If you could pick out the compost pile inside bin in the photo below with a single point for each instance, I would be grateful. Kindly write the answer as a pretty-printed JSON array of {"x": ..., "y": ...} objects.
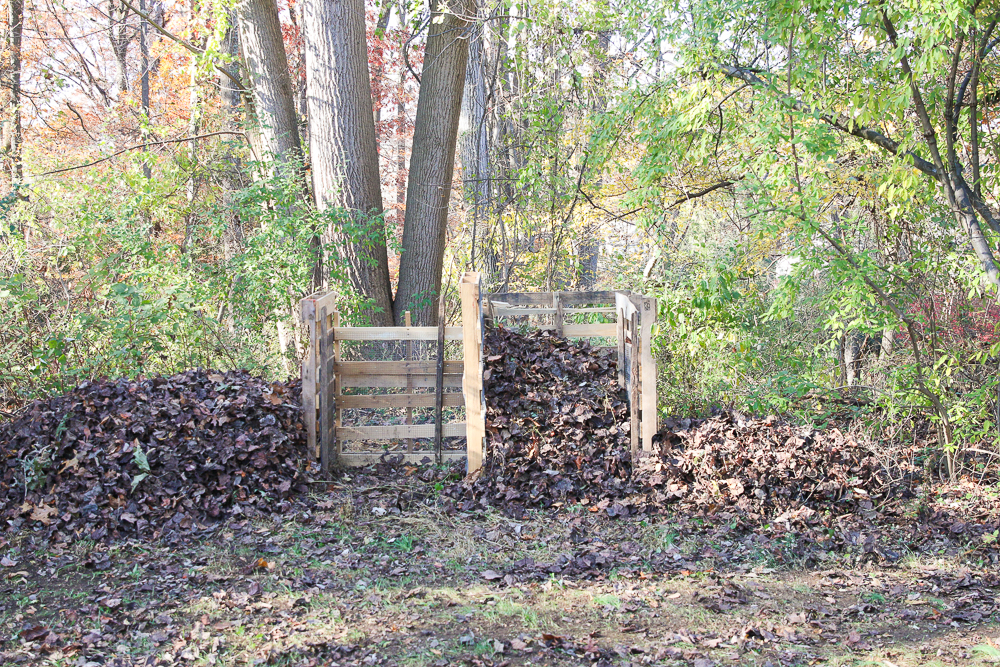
[
  {"x": 157, "y": 457},
  {"x": 556, "y": 422}
]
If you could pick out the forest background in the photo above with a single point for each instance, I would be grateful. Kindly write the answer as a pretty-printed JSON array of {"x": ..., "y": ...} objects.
[{"x": 808, "y": 188}]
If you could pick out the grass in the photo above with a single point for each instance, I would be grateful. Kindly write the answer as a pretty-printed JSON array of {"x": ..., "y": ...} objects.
[{"x": 333, "y": 587}]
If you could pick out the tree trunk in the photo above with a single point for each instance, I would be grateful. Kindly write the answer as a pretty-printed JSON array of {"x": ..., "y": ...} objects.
[
  {"x": 121, "y": 36},
  {"x": 432, "y": 160},
  {"x": 15, "y": 14},
  {"x": 267, "y": 64},
  {"x": 590, "y": 242},
  {"x": 475, "y": 147},
  {"x": 144, "y": 83},
  {"x": 342, "y": 145}
]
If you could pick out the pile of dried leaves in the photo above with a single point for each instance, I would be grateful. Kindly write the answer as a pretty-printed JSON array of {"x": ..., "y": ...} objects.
[
  {"x": 556, "y": 422},
  {"x": 765, "y": 467},
  {"x": 558, "y": 432},
  {"x": 153, "y": 458}
]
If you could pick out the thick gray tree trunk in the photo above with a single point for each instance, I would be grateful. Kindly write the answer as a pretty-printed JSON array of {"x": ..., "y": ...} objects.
[
  {"x": 121, "y": 35},
  {"x": 15, "y": 16},
  {"x": 432, "y": 160},
  {"x": 343, "y": 145},
  {"x": 475, "y": 149},
  {"x": 267, "y": 65}
]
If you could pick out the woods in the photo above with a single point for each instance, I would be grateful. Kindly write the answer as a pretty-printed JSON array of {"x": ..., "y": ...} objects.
[{"x": 232, "y": 230}]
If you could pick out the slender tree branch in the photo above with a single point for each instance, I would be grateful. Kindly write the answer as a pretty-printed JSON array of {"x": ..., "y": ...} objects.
[
  {"x": 843, "y": 125},
  {"x": 138, "y": 146}
]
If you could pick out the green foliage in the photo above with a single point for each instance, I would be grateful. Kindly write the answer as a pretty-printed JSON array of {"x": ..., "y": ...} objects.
[{"x": 116, "y": 291}]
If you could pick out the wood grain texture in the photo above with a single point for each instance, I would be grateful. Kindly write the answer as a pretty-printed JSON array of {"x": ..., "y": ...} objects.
[
  {"x": 473, "y": 376},
  {"x": 399, "y": 432},
  {"x": 355, "y": 459},
  {"x": 356, "y": 401},
  {"x": 647, "y": 373},
  {"x": 395, "y": 333},
  {"x": 416, "y": 367}
]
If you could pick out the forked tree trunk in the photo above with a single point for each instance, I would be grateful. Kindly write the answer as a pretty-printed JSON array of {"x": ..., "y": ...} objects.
[
  {"x": 432, "y": 160},
  {"x": 274, "y": 104},
  {"x": 342, "y": 145}
]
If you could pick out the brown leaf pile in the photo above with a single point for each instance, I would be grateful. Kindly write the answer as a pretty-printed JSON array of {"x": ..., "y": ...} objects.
[
  {"x": 155, "y": 458},
  {"x": 764, "y": 467},
  {"x": 556, "y": 421},
  {"x": 558, "y": 432}
]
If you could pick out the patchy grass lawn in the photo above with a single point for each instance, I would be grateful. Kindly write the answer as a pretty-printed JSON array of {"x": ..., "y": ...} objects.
[{"x": 351, "y": 579}]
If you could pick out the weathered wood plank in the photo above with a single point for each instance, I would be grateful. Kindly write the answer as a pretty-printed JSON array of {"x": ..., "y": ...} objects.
[
  {"x": 416, "y": 381},
  {"x": 396, "y": 367},
  {"x": 472, "y": 344},
  {"x": 309, "y": 366},
  {"x": 518, "y": 312},
  {"x": 356, "y": 459},
  {"x": 395, "y": 333},
  {"x": 609, "y": 329},
  {"x": 337, "y": 389},
  {"x": 325, "y": 402},
  {"x": 647, "y": 373},
  {"x": 633, "y": 395},
  {"x": 354, "y": 401},
  {"x": 545, "y": 298},
  {"x": 399, "y": 432}
]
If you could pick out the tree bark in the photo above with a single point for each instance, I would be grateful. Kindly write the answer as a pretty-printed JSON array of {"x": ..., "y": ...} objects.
[
  {"x": 15, "y": 9},
  {"x": 144, "y": 83},
  {"x": 342, "y": 144},
  {"x": 475, "y": 147},
  {"x": 432, "y": 160},
  {"x": 267, "y": 65},
  {"x": 121, "y": 36}
]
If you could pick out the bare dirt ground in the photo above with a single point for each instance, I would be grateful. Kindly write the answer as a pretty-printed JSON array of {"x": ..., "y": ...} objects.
[{"x": 382, "y": 570}]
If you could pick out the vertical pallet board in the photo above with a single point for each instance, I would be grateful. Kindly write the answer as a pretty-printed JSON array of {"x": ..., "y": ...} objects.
[
  {"x": 633, "y": 394},
  {"x": 472, "y": 379},
  {"x": 323, "y": 380},
  {"x": 621, "y": 300},
  {"x": 558, "y": 315},
  {"x": 308, "y": 307},
  {"x": 408, "y": 352},
  {"x": 338, "y": 443},
  {"x": 647, "y": 373}
]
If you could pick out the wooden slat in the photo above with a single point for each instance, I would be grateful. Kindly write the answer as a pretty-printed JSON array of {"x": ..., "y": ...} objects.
[
  {"x": 609, "y": 329},
  {"x": 354, "y": 401},
  {"x": 545, "y": 298},
  {"x": 309, "y": 366},
  {"x": 355, "y": 459},
  {"x": 395, "y": 333},
  {"x": 417, "y": 381},
  {"x": 634, "y": 405},
  {"x": 399, "y": 432},
  {"x": 472, "y": 345},
  {"x": 396, "y": 367},
  {"x": 408, "y": 353},
  {"x": 620, "y": 332},
  {"x": 337, "y": 389},
  {"x": 518, "y": 312},
  {"x": 325, "y": 400},
  {"x": 647, "y": 373}
]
